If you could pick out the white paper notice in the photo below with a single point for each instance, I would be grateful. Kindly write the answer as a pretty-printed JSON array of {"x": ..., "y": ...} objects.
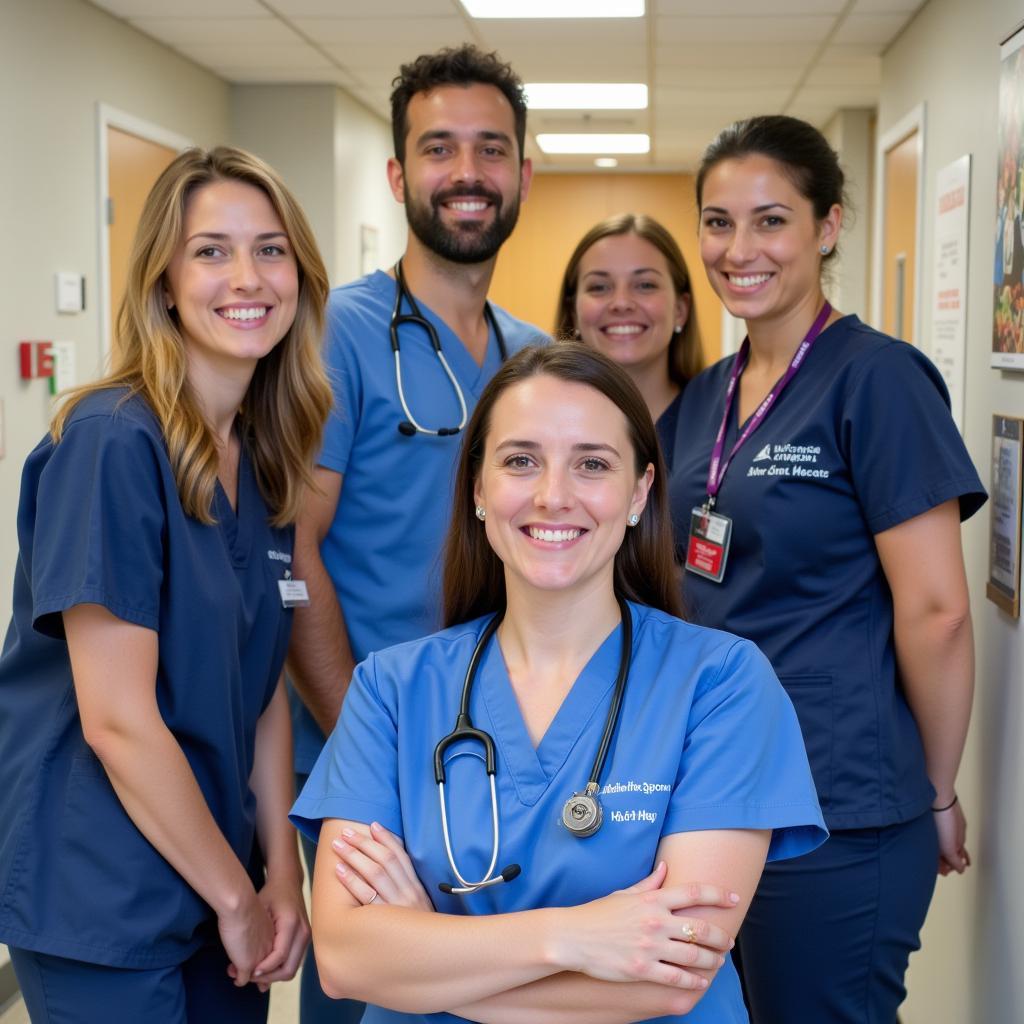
[{"x": 949, "y": 284}]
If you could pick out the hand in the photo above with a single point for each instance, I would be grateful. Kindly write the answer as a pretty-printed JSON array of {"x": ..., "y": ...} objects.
[
  {"x": 373, "y": 866},
  {"x": 640, "y": 934},
  {"x": 287, "y": 910},
  {"x": 951, "y": 826},
  {"x": 247, "y": 935}
]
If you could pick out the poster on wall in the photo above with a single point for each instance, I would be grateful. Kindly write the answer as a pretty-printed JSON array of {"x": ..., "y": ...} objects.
[
  {"x": 949, "y": 279},
  {"x": 1008, "y": 313},
  {"x": 1004, "y": 532}
]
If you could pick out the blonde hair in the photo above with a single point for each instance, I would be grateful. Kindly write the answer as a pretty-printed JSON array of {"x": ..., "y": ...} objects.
[{"x": 283, "y": 413}]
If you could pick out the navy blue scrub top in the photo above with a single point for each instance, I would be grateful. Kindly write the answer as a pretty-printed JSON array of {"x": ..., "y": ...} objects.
[
  {"x": 100, "y": 522},
  {"x": 861, "y": 440}
]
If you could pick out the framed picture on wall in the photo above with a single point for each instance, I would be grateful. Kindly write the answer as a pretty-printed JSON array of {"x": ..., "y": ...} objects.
[
  {"x": 1004, "y": 533},
  {"x": 1008, "y": 272}
]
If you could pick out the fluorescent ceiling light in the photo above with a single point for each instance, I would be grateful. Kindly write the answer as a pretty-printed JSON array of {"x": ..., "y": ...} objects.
[
  {"x": 554, "y": 8},
  {"x": 581, "y": 142},
  {"x": 586, "y": 96},
  {"x": 606, "y": 161}
]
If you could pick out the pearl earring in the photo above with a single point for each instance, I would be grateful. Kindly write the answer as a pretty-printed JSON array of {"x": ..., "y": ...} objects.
[
  {"x": 633, "y": 519},
  {"x": 481, "y": 513},
  {"x": 678, "y": 329},
  {"x": 824, "y": 250}
]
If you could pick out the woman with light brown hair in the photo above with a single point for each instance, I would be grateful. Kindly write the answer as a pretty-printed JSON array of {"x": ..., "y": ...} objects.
[
  {"x": 147, "y": 869},
  {"x": 626, "y": 292}
]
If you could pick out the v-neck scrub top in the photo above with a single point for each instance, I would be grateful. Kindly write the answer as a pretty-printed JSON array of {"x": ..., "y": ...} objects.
[
  {"x": 706, "y": 740},
  {"x": 860, "y": 441},
  {"x": 100, "y": 522},
  {"x": 383, "y": 548}
]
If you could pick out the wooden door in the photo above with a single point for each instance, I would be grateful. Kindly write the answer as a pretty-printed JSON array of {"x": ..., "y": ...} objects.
[
  {"x": 899, "y": 245},
  {"x": 133, "y": 165}
]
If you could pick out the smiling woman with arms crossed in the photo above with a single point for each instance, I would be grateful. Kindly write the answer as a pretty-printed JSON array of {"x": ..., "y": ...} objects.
[
  {"x": 560, "y": 539},
  {"x": 147, "y": 869}
]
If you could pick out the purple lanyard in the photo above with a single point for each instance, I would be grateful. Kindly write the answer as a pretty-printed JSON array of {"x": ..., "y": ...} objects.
[{"x": 716, "y": 471}]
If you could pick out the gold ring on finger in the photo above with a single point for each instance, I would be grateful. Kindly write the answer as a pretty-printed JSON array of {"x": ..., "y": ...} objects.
[{"x": 689, "y": 935}]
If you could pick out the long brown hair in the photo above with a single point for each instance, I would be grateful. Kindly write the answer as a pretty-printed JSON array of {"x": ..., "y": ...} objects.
[
  {"x": 282, "y": 417},
  {"x": 685, "y": 354},
  {"x": 645, "y": 567}
]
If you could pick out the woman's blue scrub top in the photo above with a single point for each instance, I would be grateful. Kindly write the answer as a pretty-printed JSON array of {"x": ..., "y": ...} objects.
[
  {"x": 706, "y": 739},
  {"x": 100, "y": 522},
  {"x": 860, "y": 441}
]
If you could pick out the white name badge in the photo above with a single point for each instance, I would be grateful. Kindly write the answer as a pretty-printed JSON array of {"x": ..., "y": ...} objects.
[{"x": 293, "y": 593}]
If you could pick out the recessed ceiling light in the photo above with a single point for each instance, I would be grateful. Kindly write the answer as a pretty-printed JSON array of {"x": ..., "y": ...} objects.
[
  {"x": 582, "y": 142},
  {"x": 606, "y": 161},
  {"x": 586, "y": 95},
  {"x": 554, "y": 8}
]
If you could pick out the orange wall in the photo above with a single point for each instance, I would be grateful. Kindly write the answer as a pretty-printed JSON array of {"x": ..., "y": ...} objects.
[{"x": 563, "y": 207}]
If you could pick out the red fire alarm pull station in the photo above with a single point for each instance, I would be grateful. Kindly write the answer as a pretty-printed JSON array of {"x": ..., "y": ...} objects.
[{"x": 36, "y": 359}]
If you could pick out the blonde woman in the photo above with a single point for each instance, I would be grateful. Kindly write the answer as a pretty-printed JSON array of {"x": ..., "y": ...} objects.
[{"x": 147, "y": 869}]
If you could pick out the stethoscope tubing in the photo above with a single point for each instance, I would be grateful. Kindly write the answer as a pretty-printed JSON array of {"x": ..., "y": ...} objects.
[
  {"x": 416, "y": 317},
  {"x": 465, "y": 730}
]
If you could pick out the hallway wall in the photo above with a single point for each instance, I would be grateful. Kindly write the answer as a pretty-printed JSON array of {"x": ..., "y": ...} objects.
[
  {"x": 58, "y": 60},
  {"x": 970, "y": 967}
]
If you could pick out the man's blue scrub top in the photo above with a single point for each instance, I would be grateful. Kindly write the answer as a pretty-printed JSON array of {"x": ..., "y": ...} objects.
[
  {"x": 706, "y": 740},
  {"x": 860, "y": 441},
  {"x": 383, "y": 549},
  {"x": 100, "y": 522}
]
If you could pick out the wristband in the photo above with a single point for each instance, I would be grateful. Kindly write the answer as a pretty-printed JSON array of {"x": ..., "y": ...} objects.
[{"x": 938, "y": 810}]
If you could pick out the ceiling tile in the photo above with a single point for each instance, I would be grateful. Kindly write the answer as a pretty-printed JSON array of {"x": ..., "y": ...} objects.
[
  {"x": 184, "y": 8},
  {"x": 743, "y": 57},
  {"x": 748, "y": 8},
  {"x": 871, "y": 29},
  {"x": 362, "y": 9},
  {"x": 417, "y": 35},
  {"x": 238, "y": 57},
  {"x": 257, "y": 31},
  {"x": 687, "y": 77},
  {"x": 867, "y": 71},
  {"x": 759, "y": 29},
  {"x": 838, "y": 96},
  {"x": 750, "y": 100},
  {"x": 887, "y": 6}
]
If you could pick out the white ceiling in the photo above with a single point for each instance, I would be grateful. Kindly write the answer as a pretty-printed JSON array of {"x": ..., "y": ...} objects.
[{"x": 706, "y": 62}]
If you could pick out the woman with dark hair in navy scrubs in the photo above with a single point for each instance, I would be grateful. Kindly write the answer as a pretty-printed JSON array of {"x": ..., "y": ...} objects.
[
  {"x": 818, "y": 491},
  {"x": 148, "y": 872}
]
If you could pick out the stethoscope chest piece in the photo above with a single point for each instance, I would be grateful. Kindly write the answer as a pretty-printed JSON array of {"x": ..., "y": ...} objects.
[{"x": 582, "y": 815}]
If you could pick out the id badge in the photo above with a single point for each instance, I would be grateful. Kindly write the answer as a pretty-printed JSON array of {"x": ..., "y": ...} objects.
[
  {"x": 708, "y": 546},
  {"x": 293, "y": 593}
]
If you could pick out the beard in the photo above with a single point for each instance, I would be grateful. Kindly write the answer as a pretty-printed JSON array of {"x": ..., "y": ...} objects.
[{"x": 468, "y": 241}]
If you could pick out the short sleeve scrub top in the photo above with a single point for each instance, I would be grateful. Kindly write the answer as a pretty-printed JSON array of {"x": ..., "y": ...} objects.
[
  {"x": 706, "y": 739},
  {"x": 100, "y": 522},
  {"x": 860, "y": 441}
]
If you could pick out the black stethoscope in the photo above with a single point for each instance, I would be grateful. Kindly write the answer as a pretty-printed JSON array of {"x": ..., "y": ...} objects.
[
  {"x": 581, "y": 814},
  {"x": 409, "y": 427}
]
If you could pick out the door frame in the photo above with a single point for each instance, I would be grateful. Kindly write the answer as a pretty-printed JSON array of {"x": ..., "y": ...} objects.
[
  {"x": 111, "y": 117},
  {"x": 913, "y": 120}
]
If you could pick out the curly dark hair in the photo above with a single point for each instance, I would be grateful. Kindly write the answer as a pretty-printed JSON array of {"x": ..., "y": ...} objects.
[{"x": 458, "y": 65}]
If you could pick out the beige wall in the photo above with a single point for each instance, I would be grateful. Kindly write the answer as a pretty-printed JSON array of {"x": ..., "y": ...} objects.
[
  {"x": 332, "y": 152},
  {"x": 58, "y": 60},
  {"x": 970, "y": 969},
  {"x": 562, "y": 207}
]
